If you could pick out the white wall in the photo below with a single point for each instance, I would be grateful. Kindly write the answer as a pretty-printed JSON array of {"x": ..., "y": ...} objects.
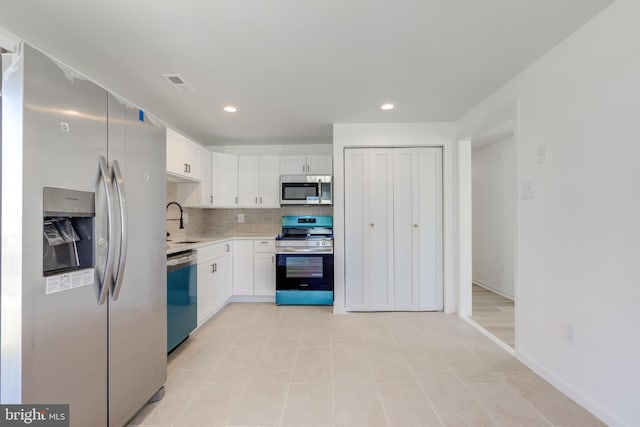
[
  {"x": 579, "y": 237},
  {"x": 493, "y": 176},
  {"x": 394, "y": 135}
]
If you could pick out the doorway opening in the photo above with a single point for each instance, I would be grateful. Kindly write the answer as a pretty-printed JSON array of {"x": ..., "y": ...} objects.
[{"x": 493, "y": 227}]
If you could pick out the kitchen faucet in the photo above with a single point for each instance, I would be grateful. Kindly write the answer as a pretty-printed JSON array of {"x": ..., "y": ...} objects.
[{"x": 181, "y": 212}]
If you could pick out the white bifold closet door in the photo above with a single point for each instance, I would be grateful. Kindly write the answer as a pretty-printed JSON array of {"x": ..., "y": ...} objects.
[{"x": 393, "y": 229}]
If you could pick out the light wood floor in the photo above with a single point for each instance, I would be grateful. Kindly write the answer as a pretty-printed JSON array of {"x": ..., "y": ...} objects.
[
  {"x": 266, "y": 365},
  {"x": 495, "y": 313}
]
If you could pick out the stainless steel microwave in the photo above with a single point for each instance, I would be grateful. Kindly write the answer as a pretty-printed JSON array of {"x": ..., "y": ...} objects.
[{"x": 305, "y": 190}]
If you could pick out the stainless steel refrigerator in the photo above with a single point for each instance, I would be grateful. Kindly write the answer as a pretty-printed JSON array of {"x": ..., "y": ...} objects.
[{"x": 83, "y": 298}]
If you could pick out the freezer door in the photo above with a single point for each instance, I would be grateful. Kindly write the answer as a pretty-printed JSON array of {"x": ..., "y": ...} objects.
[
  {"x": 137, "y": 307},
  {"x": 53, "y": 345}
]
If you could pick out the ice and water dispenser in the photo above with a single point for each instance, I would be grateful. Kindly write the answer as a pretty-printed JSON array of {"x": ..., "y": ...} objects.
[{"x": 68, "y": 230}]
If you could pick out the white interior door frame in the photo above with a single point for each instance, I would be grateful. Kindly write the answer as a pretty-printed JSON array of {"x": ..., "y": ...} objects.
[{"x": 509, "y": 112}]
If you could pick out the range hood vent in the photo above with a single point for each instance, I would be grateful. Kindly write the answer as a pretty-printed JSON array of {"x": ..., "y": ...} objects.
[{"x": 179, "y": 83}]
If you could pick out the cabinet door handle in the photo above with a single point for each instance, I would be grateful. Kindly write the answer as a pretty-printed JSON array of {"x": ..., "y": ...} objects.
[
  {"x": 236, "y": 200},
  {"x": 213, "y": 269},
  {"x": 371, "y": 225},
  {"x": 256, "y": 200},
  {"x": 210, "y": 199},
  {"x": 415, "y": 225},
  {"x": 260, "y": 199},
  {"x": 186, "y": 169},
  {"x": 227, "y": 248}
]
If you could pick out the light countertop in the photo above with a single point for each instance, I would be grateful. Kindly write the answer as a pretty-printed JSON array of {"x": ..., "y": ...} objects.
[{"x": 188, "y": 243}]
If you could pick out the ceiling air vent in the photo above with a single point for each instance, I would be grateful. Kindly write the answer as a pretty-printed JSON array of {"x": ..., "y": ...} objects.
[{"x": 178, "y": 82}]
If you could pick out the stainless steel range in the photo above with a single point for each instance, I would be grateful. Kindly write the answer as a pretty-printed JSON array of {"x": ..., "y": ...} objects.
[{"x": 304, "y": 261}]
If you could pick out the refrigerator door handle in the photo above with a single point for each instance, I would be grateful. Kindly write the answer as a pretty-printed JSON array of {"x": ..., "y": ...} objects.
[
  {"x": 122, "y": 203},
  {"x": 108, "y": 268}
]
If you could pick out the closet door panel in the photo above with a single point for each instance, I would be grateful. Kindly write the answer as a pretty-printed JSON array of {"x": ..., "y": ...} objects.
[
  {"x": 380, "y": 224},
  {"x": 356, "y": 229},
  {"x": 405, "y": 229},
  {"x": 429, "y": 254}
]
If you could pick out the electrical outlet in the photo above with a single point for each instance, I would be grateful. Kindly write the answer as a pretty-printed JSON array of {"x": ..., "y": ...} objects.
[
  {"x": 185, "y": 218},
  {"x": 240, "y": 218},
  {"x": 542, "y": 154},
  {"x": 527, "y": 190},
  {"x": 571, "y": 334}
]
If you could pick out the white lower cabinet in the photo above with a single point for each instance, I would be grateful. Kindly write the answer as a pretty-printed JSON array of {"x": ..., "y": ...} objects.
[
  {"x": 215, "y": 276},
  {"x": 264, "y": 267},
  {"x": 238, "y": 267},
  {"x": 254, "y": 268},
  {"x": 243, "y": 267}
]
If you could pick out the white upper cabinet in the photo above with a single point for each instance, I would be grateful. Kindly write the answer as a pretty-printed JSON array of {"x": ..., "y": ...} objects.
[
  {"x": 225, "y": 180},
  {"x": 306, "y": 165},
  {"x": 293, "y": 165},
  {"x": 258, "y": 181},
  {"x": 206, "y": 190},
  {"x": 248, "y": 181},
  {"x": 319, "y": 165},
  {"x": 198, "y": 194},
  {"x": 183, "y": 157},
  {"x": 269, "y": 181}
]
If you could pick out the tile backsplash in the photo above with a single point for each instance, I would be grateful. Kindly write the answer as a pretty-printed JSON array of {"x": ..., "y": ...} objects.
[
  {"x": 194, "y": 226},
  {"x": 220, "y": 222},
  {"x": 256, "y": 221}
]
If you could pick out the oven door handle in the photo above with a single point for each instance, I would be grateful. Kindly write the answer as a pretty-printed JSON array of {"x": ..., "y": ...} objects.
[{"x": 303, "y": 251}]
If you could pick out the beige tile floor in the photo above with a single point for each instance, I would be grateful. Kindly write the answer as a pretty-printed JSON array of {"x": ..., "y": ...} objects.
[
  {"x": 264, "y": 365},
  {"x": 495, "y": 313}
]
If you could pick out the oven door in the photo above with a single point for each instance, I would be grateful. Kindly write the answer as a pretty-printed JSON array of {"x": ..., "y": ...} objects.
[{"x": 304, "y": 272}]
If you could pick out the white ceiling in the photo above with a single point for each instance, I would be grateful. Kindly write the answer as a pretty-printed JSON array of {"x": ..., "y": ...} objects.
[{"x": 294, "y": 67}]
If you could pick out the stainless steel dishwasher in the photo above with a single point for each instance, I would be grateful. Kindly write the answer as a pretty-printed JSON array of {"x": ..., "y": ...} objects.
[{"x": 182, "y": 310}]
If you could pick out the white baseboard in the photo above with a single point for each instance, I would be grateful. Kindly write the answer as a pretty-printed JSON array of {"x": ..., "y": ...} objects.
[
  {"x": 579, "y": 397},
  {"x": 583, "y": 400},
  {"x": 491, "y": 288},
  {"x": 340, "y": 310}
]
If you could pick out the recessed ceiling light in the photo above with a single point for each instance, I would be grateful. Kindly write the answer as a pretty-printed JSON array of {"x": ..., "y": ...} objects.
[
  {"x": 230, "y": 109},
  {"x": 387, "y": 106}
]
